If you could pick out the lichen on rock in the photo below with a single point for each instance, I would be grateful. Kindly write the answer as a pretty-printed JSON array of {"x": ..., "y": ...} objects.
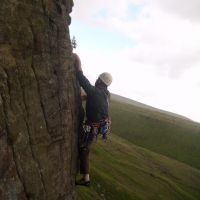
[{"x": 38, "y": 101}]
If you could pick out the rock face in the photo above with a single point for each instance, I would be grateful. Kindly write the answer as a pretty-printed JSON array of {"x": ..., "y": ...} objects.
[{"x": 38, "y": 101}]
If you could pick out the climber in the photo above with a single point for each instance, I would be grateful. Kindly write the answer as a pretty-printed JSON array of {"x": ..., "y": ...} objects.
[{"x": 97, "y": 119}]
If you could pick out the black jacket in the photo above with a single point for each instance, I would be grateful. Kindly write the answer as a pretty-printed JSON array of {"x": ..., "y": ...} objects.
[{"x": 97, "y": 99}]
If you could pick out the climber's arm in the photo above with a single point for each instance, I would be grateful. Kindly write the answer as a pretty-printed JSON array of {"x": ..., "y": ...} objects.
[{"x": 83, "y": 81}]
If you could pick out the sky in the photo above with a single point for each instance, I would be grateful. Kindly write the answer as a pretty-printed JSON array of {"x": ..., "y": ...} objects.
[{"x": 151, "y": 48}]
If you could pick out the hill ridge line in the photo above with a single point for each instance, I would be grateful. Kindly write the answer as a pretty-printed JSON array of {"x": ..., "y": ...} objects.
[{"x": 121, "y": 99}]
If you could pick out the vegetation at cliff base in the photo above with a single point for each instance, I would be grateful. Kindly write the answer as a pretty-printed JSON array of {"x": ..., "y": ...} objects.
[
  {"x": 123, "y": 171},
  {"x": 164, "y": 133},
  {"x": 150, "y": 155}
]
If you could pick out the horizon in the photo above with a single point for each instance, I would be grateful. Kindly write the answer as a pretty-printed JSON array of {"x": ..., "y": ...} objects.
[
  {"x": 150, "y": 47},
  {"x": 159, "y": 109}
]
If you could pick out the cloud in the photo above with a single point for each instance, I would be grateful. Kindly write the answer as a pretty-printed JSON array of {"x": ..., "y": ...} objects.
[
  {"x": 90, "y": 8},
  {"x": 170, "y": 43},
  {"x": 93, "y": 9},
  {"x": 165, "y": 41},
  {"x": 161, "y": 39},
  {"x": 182, "y": 8},
  {"x": 161, "y": 66}
]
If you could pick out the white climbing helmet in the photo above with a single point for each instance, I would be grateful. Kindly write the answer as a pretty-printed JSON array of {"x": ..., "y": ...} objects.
[{"x": 106, "y": 78}]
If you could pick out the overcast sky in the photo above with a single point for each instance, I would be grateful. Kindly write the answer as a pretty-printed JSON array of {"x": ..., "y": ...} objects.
[{"x": 151, "y": 47}]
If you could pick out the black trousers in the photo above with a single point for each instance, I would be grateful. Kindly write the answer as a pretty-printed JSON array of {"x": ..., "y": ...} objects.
[{"x": 85, "y": 142}]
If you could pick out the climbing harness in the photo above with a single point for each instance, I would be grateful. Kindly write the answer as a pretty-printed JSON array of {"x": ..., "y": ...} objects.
[{"x": 92, "y": 130}]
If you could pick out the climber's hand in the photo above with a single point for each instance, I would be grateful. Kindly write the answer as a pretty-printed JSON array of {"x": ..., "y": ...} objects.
[{"x": 77, "y": 62}]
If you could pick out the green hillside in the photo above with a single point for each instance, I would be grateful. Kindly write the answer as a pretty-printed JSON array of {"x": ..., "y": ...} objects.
[
  {"x": 151, "y": 155},
  {"x": 124, "y": 100},
  {"x": 160, "y": 132},
  {"x": 122, "y": 171}
]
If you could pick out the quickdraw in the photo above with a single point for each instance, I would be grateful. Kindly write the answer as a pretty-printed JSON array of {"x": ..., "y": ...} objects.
[{"x": 98, "y": 128}]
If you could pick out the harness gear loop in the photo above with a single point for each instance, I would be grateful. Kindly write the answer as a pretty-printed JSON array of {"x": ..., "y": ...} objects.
[{"x": 93, "y": 129}]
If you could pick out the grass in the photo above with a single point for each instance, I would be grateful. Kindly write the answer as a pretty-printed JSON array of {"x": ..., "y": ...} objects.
[
  {"x": 174, "y": 137},
  {"x": 151, "y": 155},
  {"x": 120, "y": 170}
]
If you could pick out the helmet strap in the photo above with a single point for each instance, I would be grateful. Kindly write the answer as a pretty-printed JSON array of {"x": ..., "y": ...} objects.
[{"x": 100, "y": 84}]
